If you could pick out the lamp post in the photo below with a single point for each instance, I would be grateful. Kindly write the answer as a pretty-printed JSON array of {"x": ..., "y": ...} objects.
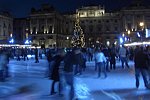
[
  {"x": 141, "y": 30},
  {"x": 141, "y": 25},
  {"x": 11, "y": 41},
  {"x": 129, "y": 32},
  {"x": 129, "y": 38}
]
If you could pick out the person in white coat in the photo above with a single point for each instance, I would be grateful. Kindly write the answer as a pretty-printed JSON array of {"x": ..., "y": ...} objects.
[{"x": 100, "y": 61}]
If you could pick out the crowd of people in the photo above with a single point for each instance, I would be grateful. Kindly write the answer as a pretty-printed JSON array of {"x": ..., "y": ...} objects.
[
  {"x": 7, "y": 53},
  {"x": 72, "y": 61}
]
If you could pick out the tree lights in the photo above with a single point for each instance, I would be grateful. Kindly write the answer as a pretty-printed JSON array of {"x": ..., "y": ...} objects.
[{"x": 78, "y": 39}]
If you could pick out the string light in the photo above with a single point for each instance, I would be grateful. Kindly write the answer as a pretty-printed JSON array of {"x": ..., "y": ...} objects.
[{"x": 78, "y": 39}]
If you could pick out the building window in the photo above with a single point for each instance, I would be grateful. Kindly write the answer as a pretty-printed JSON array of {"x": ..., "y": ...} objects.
[
  {"x": 138, "y": 16},
  {"x": 129, "y": 17},
  {"x": 91, "y": 21},
  {"x": 91, "y": 13},
  {"x": 67, "y": 23},
  {"x": 107, "y": 37},
  {"x": 81, "y": 13},
  {"x": 91, "y": 28},
  {"x": 107, "y": 28},
  {"x": 50, "y": 20},
  {"x": 42, "y": 29},
  {"x": 82, "y": 22},
  {"x": 116, "y": 28},
  {"x": 99, "y": 21},
  {"x": 67, "y": 30},
  {"x": 33, "y": 22},
  {"x": 99, "y": 28},
  {"x": 9, "y": 27},
  {"x": 107, "y": 21},
  {"x": 116, "y": 20}
]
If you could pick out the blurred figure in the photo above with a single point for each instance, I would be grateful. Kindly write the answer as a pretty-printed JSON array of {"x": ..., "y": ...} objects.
[
  {"x": 148, "y": 52},
  {"x": 18, "y": 53},
  {"x": 113, "y": 57},
  {"x": 40, "y": 53},
  {"x": 36, "y": 55},
  {"x": 55, "y": 70},
  {"x": 101, "y": 60},
  {"x": 3, "y": 66},
  {"x": 90, "y": 54},
  {"x": 123, "y": 56},
  {"x": 25, "y": 53},
  {"x": 49, "y": 59},
  {"x": 78, "y": 61},
  {"x": 106, "y": 52},
  {"x": 141, "y": 59},
  {"x": 68, "y": 73},
  {"x": 95, "y": 53},
  {"x": 83, "y": 52}
]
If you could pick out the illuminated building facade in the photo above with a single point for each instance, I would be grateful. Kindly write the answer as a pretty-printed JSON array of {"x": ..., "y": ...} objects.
[
  {"x": 6, "y": 27},
  {"x": 102, "y": 27},
  {"x": 48, "y": 28},
  {"x": 99, "y": 26},
  {"x": 136, "y": 19}
]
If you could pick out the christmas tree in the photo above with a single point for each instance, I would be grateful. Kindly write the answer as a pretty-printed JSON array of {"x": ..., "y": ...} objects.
[{"x": 78, "y": 39}]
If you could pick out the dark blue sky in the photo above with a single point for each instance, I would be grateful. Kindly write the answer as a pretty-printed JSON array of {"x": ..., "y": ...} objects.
[{"x": 21, "y": 8}]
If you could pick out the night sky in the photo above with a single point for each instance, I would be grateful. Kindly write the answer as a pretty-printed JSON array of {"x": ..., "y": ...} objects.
[{"x": 21, "y": 8}]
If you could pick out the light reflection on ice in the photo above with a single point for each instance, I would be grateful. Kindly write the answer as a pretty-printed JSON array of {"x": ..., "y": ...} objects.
[{"x": 81, "y": 89}]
